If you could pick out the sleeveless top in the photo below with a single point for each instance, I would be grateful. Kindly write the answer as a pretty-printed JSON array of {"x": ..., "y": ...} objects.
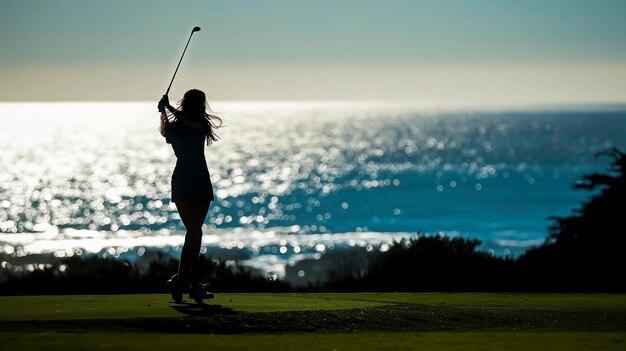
[{"x": 191, "y": 181}]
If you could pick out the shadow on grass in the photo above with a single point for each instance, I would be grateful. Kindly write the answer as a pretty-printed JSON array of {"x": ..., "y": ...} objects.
[
  {"x": 396, "y": 317},
  {"x": 201, "y": 310}
]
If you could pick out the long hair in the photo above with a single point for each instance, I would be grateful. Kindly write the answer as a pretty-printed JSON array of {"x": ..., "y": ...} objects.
[{"x": 194, "y": 106}]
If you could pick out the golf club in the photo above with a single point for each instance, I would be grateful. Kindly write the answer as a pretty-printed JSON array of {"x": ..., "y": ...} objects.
[{"x": 195, "y": 29}]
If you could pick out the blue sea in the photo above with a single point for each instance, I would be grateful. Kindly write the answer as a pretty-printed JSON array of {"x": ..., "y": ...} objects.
[{"x": 294, "y": 179}]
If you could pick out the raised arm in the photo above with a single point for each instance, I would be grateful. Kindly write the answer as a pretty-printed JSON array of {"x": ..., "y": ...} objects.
[{"x": 165, "y": 104}]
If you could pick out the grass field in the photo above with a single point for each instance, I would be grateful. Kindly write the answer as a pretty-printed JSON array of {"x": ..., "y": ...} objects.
[{"x": 317, "y": 321}]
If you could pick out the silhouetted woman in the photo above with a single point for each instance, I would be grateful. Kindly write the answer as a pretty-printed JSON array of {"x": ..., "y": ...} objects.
[{"x": 187, "y": 128}]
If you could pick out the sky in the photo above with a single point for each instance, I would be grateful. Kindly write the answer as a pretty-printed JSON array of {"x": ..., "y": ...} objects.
[{"x": 441, "y": 52}]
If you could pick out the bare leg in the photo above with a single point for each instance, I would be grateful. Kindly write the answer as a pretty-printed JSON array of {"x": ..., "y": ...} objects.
[{"x": 193, "y": 216}]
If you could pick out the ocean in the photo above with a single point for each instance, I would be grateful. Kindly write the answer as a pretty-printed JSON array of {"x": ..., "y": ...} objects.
[{"x": 294, "y": 180}]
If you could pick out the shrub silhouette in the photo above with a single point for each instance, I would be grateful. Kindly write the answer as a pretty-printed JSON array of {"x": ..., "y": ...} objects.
[
  {"x": 334, "y": 265},
  {"x": 96, "y": 275},
  {"x": 433, "y": 263}
]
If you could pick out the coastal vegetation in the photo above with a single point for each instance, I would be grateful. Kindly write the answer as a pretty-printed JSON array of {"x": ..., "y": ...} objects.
[{"x": 583, "y": 253}]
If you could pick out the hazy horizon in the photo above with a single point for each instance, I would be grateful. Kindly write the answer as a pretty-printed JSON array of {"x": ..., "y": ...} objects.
[
  {"x": 412, "y": 105},
  {"x": 446, "y": 53}
]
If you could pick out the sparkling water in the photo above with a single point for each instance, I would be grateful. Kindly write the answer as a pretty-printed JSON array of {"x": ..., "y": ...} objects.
[{"x": 293, "y": 180}]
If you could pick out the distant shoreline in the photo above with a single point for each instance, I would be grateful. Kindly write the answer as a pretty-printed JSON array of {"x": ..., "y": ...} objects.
[{"x": 416, "y": 106}]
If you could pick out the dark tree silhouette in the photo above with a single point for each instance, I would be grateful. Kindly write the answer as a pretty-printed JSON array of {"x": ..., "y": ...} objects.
[
  {"x": 601, "y": 220},
  {"x": 585, "y": 251}
]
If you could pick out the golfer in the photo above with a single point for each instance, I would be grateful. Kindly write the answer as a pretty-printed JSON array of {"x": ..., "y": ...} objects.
[{"x": 187, "y": 128}]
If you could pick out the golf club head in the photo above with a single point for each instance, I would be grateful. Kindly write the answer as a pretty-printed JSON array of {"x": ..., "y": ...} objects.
[{"x": 196, "y": 29}]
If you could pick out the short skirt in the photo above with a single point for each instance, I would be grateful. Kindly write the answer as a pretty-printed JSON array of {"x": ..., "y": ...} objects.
[{"x": 191, "y": 188}]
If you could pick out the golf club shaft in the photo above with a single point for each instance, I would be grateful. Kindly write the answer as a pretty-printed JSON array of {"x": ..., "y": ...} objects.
[{"x": 179, "y": 61}]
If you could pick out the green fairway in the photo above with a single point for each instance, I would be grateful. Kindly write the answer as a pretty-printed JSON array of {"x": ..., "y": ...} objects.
[
  {"x": 319, "y": 321},
  {"x": 160, "y": 305},
  {"x": 157, "y": 305}
]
